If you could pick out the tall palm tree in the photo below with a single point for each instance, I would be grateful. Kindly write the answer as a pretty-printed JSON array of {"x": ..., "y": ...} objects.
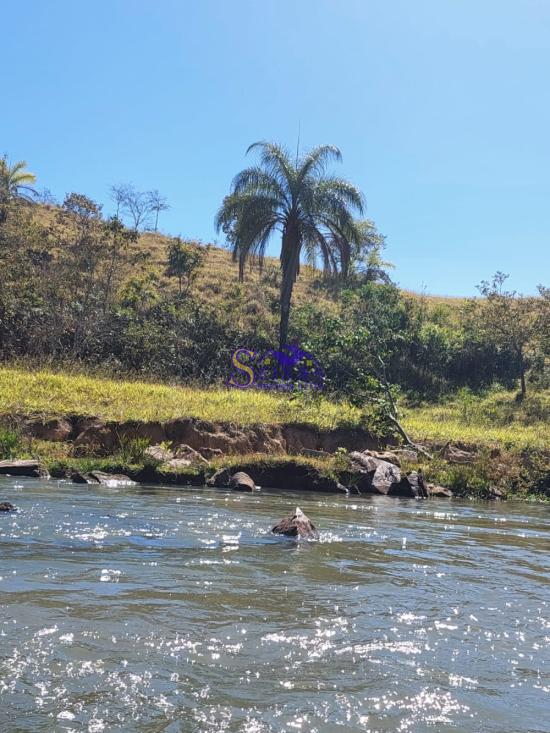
[
  {"x": 313, "y": 212},
  {"x": 15, "y": 181}
]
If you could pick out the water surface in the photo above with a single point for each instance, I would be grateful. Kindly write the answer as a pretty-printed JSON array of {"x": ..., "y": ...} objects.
[{"x": 168, "y": 610}]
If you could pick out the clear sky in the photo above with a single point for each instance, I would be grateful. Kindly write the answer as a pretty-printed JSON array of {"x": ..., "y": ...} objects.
[{"x": 441, "y": 109}]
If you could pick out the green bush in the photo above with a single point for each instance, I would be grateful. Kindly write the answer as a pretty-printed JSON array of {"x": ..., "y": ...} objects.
[
  {"x": 132, "y": 450},
  {"x": 10, "y": 443}
]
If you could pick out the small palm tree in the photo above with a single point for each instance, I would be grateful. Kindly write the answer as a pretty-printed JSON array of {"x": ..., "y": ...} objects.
[
  {"x": 15, "y": 181},
  {"x": 312, "y": 211}
]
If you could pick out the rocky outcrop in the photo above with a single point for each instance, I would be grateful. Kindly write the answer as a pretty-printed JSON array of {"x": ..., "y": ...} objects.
[
  {"x": 5, "y": 506},
  {"x": 31, "y": 468},
  {"x": 297, "y": 525},
  {"x": 374, "y": 475},
  {"x": 241, "y": 481}
]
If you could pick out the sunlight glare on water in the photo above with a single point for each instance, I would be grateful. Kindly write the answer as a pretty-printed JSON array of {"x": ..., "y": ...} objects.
[{"x": 156, "y": 609}]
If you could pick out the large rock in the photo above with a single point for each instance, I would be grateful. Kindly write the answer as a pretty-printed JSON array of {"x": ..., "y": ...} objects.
[
  {"x": 111, "y": 479},
  {"x": 375, "y": 475},
  {"x": 55, "y": 429},
  {"x": 439, "y": 492},
  {"x": 77, "y": 477},
  {"x": 297, "y": 525},
  {"x": 385, "y": 477},
  {"x": 31, "y": 468},
  {"x": 241, "y": 481},
  {"x": 5, "y": 506},
  {"x": 414, "y": 485}
]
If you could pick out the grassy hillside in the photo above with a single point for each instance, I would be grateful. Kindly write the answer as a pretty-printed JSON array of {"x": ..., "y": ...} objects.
[
  {"x": 494, "y": 419},
  {"x": 27, "y": 392},
  {"x": 217, "y": 281}
]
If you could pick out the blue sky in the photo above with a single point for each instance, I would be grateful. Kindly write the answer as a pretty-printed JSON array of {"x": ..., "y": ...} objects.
[{"x": 441, "y": 109}]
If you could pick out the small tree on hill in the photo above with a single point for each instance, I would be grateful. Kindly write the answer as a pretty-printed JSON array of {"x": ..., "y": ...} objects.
[
  {"x": 509, "y": 320},
  {"x": 184, "y": 261},
  {"x": 157, "y": 203}
]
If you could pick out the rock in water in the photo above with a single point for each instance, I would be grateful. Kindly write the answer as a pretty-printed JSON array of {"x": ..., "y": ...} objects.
[
  {"x": 241, "y": 481},
  {"x": 297, "y": 525},
  {"x": 5, "y": 506}
]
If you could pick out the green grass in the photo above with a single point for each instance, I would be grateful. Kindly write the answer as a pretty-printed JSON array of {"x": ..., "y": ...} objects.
[
  {"x": 497, "y": 418},
  {"x": 26, "y": 392}
]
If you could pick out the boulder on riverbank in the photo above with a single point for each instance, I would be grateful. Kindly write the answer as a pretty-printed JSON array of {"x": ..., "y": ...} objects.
[
  {"x": 101, "y": 477},
  {"x": 374, "y": 475},
  {"x": 241, "y": 481},
  {"x": 31, "y": 468},
  {"x": 297, "y": 525}
]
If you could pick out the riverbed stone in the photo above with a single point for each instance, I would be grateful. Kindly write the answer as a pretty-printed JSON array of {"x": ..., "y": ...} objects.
[
  {"x": 297, "y": 525},
  {"x": 5, "y": 507}
]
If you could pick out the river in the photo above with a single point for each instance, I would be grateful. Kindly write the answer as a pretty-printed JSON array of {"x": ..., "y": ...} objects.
[{"x": 156, "y": 609}]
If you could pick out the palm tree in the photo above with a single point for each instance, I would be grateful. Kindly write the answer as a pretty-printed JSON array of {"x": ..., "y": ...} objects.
[
  {"x": 312, "y": 211},
  {"x": 15, "y": 181}
]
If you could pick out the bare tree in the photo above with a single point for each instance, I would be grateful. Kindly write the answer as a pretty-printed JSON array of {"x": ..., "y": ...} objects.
[
  {"x": 134, "y": 204},
  {"x": 118, "y": 196},
  {"x": 157, "y": 203}
]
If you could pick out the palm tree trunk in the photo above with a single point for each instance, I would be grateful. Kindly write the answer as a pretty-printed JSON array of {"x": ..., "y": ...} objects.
[{"x": 290, "y": 256}]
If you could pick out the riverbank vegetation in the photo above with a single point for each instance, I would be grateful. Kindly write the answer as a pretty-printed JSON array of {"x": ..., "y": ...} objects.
[{"x": 100, "y": 314}]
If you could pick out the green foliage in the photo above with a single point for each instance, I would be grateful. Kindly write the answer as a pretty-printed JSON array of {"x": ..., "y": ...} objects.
[
  {"x": 10, "y": 443},
  {"x": 184, "y": 261},
  {"x": 132, "y": 450}
]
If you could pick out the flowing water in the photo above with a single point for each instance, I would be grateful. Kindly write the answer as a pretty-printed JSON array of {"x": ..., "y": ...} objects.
[{"x": 164, "y": 610}]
